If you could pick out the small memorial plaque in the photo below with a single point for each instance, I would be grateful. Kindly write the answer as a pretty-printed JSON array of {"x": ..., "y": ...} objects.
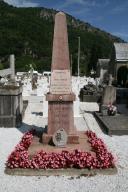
[{"x": 60, "y": 138}]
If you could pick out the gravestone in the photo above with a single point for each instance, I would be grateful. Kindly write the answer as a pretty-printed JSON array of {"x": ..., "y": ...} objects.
[
  {"x": 60, "y": 98},
  {"x": 109, "y": 93},
  {"x": 109, "y": 97},
  {"x": 11, "y": 104}
]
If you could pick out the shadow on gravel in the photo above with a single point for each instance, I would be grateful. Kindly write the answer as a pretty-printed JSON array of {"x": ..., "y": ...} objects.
[
  {"x": 39, "y": 131},
  {"x": 25, "y": 127}
]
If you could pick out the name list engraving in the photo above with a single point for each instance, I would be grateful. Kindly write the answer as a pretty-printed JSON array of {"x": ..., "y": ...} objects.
[{"x": 60, "y": 82}]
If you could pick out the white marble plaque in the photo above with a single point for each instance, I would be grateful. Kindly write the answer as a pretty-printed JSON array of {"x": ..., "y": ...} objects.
[
  {"x": 60, "y": 138},
  {"x": 60, "y": 82}
]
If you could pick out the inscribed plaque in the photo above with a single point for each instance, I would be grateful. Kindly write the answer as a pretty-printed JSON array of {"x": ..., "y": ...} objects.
[
  {"x": 60, "y": 82},
  {"x": 60, "y": 138}
]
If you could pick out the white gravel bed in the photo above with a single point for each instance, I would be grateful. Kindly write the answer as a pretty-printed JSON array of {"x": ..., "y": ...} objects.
[
  {"x": 115, "y": 183},
  {"x": 80, "y": 124},
  {"x": 91, "y": 123},
  {"x": 118, "y": 145},
  {"x": 87, "y": 106}
]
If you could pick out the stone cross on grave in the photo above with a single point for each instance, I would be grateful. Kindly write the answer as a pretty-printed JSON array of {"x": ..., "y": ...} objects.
[{"x": 60, "y": 98}]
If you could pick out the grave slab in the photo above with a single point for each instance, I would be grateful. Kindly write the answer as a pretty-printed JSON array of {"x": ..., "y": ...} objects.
[{"x": 113, "y": 125}]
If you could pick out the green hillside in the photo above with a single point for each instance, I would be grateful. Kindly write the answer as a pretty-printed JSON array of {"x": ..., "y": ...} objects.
[{"x": 28, "y": 33}]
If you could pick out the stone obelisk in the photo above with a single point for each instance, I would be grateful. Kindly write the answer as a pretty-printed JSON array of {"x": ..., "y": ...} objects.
[{"x": 60, "y": 98}]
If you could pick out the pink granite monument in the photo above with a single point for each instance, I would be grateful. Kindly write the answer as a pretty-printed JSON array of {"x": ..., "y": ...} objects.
[{"x": 60, "y": 99}]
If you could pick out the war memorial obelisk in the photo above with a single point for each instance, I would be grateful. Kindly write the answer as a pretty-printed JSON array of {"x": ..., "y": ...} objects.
[{"x": 60, "y": 98}]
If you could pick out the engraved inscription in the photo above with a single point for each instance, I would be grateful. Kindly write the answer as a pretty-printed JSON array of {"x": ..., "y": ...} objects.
[
  {"x": 60, "y": 82},
  {"x": 60, "y": 138},
  {"x": 60, "y": 117}
]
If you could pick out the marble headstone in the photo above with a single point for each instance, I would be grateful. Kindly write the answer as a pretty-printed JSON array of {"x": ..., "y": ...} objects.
[{"x": 109, "y": 94}]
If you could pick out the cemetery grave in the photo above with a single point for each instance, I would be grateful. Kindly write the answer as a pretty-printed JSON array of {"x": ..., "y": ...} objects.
[
  {"x": 110, "y": 118},
  {"x": 91, "y": 93},
  {"x": 60, "y": 145},
  {"x": 11, "y": 104},
  {"x": 63, "y": 131}
]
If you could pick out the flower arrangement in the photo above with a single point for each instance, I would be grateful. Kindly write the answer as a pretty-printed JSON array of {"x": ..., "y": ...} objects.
[
  {"x": 19, "y": 158},
  {"x": 112, "y": 109}
]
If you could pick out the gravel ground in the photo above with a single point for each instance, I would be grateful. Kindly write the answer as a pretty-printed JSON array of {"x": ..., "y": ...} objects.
[{"x": 112, "y": 183}]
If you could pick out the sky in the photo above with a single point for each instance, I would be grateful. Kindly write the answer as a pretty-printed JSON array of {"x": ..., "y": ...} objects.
[{"x": 108, "y": 15}]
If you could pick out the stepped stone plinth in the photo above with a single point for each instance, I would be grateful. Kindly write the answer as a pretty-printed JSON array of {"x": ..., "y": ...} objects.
[{"x": 11, "y": 106}]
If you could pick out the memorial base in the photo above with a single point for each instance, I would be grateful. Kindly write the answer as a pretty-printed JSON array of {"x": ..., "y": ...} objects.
[
  {"x": 60, "y": 116},
  {"x": 11, "y": 106}
]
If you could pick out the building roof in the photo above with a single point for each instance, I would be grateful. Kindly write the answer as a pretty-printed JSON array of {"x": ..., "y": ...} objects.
[
  {"x": 121, "y": 50},
  {"x": 103, "y": 63}
]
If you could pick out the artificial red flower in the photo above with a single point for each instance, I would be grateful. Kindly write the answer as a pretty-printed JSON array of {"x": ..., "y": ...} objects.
[{"x": 19, "y": 158}]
